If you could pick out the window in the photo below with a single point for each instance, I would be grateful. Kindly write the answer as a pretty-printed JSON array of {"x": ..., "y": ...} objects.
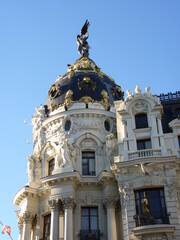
[
  {"x": 46, "y": 229},
  {"x": 150, "y": 207},
  {"x": 141, "y": 120},
  {"x": 88, "y": 163},
  {"x": 107, "y": 125},
  {"x": 89, "y": 223},
  {"x": 144, "y": 144},
  {"x": 51, "y": 166},
  {"x": 179, "y": 141},
  {"x": 67, "y": 125}
]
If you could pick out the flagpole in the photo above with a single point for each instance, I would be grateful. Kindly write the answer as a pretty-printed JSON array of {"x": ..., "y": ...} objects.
[{"x": 3, "y": 226}]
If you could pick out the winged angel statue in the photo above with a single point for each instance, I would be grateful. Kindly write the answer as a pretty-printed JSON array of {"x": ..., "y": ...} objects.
[{"x": 83, "y": 46}]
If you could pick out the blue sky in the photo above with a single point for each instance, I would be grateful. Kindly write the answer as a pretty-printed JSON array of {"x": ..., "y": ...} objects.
[{"x": 133, "y": 41}]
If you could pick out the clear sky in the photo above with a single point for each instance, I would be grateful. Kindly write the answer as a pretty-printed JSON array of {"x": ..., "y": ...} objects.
[{"x": 133, "y": 41}]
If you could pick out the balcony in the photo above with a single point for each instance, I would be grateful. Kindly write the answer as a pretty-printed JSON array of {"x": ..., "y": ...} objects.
[
  {"x": 151, "y": 219},
  {"x": 144, "y": 154},
  {"x": 89, "y": 234}
]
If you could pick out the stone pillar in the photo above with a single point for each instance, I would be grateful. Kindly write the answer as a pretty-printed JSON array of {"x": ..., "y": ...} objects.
[
  {"x": 54, "y": 231},
  {"x": 110, "y": 204},
  {"x": 125, "y": 140},
  {"x": 20, "y": 225},
  {"x": 26, "y": 226},
  {"x": 68, "y": 218},
  {"x": 34, "y": 225}
]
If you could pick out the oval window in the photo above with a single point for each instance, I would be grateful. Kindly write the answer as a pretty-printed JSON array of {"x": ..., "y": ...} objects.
[
  {"x": 67, "y": 125},
  {"x": 107, "y": 125}
]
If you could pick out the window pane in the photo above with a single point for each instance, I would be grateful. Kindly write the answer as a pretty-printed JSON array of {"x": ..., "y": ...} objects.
[
  {"x": 144, "y": 144},
  {"x": 150, "y": 207},
  {"x": 148, "y": 144},
  {"x": 51, "y": 166},
  {"x": 47, "y": 224},
  {"x": 88, "y": 163},
  {"x": 141, "y": 121}
]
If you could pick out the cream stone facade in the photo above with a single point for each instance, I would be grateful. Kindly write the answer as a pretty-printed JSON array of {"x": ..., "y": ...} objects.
[{"x": 102, "y": 168}]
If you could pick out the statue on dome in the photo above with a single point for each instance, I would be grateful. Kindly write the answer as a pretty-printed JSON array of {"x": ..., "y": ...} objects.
[{"x": 83, "y": 46}]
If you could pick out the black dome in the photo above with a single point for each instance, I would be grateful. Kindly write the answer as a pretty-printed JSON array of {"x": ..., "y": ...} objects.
[{"x": 84, "y": 82}]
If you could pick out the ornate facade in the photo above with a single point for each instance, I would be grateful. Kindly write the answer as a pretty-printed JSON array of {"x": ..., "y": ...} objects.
[{"x": 103, "y": 167}]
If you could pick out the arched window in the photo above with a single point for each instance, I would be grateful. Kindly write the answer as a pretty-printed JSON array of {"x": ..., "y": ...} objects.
[{"x": 141, "y": 120}]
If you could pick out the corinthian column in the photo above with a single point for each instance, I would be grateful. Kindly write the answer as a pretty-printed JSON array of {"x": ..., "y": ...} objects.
[
  {"x": 68, "y": 218},
  {"x": 26, "y": 226},
  {"x": 54, "y": 232},
  {"x": 20, "y": 225},
  {"x": 110, "y": 204}
]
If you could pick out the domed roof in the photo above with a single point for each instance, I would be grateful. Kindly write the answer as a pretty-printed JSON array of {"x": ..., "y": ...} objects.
[{"x": 84, "y": 82}]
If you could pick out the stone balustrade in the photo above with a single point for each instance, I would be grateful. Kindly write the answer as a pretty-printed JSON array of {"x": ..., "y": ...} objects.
[{"x": 144, "y": 154}]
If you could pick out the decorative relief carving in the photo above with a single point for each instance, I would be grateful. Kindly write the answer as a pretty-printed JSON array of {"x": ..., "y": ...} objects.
[
  {"x": 111, "y": 148},
  {"x": 54, "y": 204},
  {"x": 87, "y": 84},
  {"x": 140, "y": 107},
  {"x": 54, "y": 91},
  {"x": 105, "y": 99},
  {"x": 26, "y": 217},
  {"x": 65, "y": 154},
  {"x": 110, "y": 201},
  {"x": 68, "y": 202},
  {"x": 174, "y": 189},
  {"x": 86, "y": 99},
  {"x": 68, "y": 99},
  {"x": 33, "y": 168},
  {"x": 124, "y": 195}
]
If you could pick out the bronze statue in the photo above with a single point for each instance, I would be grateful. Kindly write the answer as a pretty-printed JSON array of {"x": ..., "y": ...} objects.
[{"x": 83, "y": 46}]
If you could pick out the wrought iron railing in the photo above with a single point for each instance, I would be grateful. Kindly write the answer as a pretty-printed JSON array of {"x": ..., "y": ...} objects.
[
  {"x": 170, "y": 97},
  {"x": 89, "y": 235},
  {"x": 144, "y": 153},
  {"x": 151, "y": 219}
]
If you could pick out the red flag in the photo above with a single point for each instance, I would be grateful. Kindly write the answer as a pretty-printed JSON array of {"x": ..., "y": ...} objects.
[{"x": 7, "y": 229}]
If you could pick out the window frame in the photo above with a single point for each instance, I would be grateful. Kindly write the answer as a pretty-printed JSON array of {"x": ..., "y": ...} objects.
[
  {"x": 89, "y": 159},
  {"x": 144, "y": 141},
  {"x": 48, "y": 216},
  {"x": 141, "y": 120},
  {"x": 150, "y": 217},
  {"x": 51, "y": 166}
]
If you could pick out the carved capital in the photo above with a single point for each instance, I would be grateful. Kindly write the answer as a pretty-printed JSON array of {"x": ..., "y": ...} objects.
[
  {"x": 110, "y": 202},
  {"x": 54, "y": 204},
  {"x": 26, "y": 217},
  {"x": 68, "y": 202}
]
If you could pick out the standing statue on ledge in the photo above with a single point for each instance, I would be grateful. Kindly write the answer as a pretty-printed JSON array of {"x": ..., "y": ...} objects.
[{"x": 83, "y": 46}]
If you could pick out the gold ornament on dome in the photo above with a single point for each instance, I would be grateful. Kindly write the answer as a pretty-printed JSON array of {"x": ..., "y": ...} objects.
[
  {"x": 53, "y": 107},
  {"x": 54, "y": 91},
  {"x": 68, "y": 99},
  {"x": 86, "y": 99},
  {"x": 84, "y": 65},
  {"x": 86, "y": 84},
  {"x": 105, "y": 99}
]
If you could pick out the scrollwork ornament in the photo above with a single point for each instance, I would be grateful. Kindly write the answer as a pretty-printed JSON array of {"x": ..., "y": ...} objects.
[
  {"x": 54, "y": 204},
  {"x": 54, "y": 91},
  {"x": 68, "y": 202},
  {"x": 26, "y": 217}
]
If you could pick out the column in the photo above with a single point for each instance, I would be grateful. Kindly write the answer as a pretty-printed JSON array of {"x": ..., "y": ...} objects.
[
  {"x": 54, "y": 231},
  {"x": 34, "y": 225},
  {"x": 26, "y": 226},
  {"x": 125, "y": 140},
  {"x": 20, "y": 225},
  {"x": 68, "y": 218},
  {"x": 110, "y": 204}
]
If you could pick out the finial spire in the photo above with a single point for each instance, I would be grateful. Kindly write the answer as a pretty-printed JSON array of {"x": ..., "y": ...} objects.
[{"x": 83, "y": 46}]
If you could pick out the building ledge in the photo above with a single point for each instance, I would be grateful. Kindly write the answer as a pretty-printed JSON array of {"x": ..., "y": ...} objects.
[
  {"x": 23, "y": 193},
  {"x": 152, "y": 229}
]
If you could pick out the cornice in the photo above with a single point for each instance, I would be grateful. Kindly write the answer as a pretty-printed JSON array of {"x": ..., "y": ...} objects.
[{"x": 24, "y": 193}]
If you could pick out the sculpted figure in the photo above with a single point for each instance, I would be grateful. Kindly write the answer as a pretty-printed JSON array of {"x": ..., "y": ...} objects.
[
  {"x": 111, "y": 147},
  {"x": 66, "y": 154},
  {"x": 137, "y": 89},
  {"x": 30, "y": 169},
  {"x": 83, "y": 46}
]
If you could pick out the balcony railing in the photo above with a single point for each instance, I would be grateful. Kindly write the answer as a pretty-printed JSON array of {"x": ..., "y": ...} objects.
[
  {"x": 151, "y": 219},
  {"x": 144, "y": 154},
  {"x": 89, "y": 235}
]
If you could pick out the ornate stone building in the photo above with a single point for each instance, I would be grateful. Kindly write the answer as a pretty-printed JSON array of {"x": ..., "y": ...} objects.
[{"x": 103, "y": 167}]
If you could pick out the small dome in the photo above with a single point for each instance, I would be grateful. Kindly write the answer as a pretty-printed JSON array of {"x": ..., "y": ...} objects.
[{"x": 84, "y": 82}]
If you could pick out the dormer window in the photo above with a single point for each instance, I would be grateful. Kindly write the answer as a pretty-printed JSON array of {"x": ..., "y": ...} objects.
[
  {"x": 88, "y": 163},
  {"x": 141, "y": 120}
]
